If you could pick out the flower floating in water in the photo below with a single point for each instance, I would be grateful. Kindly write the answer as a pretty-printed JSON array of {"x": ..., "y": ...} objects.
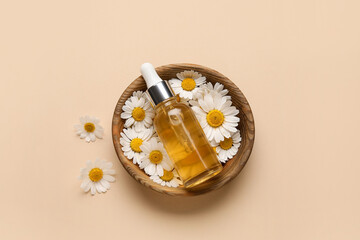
[
  {"x": 132, "y": 140},
  {"x": 138, "y": 112},
  {"x": 217, "y": 117},
  {"x": 227, "y": 148},
  {"x": 96, "y": 176},
  {"x": 170, "y": 179},
  {"x": 187, "y": 83},
  {"x": 89, "y": 128},
  {"x": 155, "y": 159}
]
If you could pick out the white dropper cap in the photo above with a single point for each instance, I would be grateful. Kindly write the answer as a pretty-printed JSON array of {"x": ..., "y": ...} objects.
[
  {"x": 158, "y": 90},
  {"x": 150, "y": 75}
]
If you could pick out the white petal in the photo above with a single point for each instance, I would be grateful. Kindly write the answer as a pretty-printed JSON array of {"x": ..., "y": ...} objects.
[
  {"x": 105, "y": 184},
  {"x": 180, "y": 76},
  {"x": 188, "y": 95},
  {"x": 124, "y": 136},
  {"x": 135, "y": 101},
  {"x": 167, "y": 164},
  {"x": 125, "y": 115},
  {"x": 232, "y": 119},
  {"x": 93, "y": 189},
  {"x": 237, "y": 145},
  {"x": 139, "y": 126},
  {"x": 175, "y": 82},
  {"x": 109, "y": 178},
  {"x": 222, "y": 155},
  {"x": 144, "y": 163},
  {"x": 126, "y": 148},
  {"x": 229, "y": 110},
  {"x": 225, "y": 108},
  {"x": 83, "y": 135},
  {"x": 212, "y": 135},
  {"x": 200, "y": 80},
  {"x": 228, "y": 154},
  {"x": 228, "y": 127},
  {"x": 159, "y": 170},
  {"x": 87, "y": 187},
  {"x": 224, "y": 132},
  {"x": 130, "y": 104},
  {"x": 218, "y": 136},
  {"x": 182, "y": 94},
  {"x": 220, "y": 103},
  {"x": 236, "y": 137},
  {"x": 141, "y": 102},
  {"x": 127, "y": 109},
  {"x": 92, "y": 137},
  {"x": 150, "y": 169},
  {"x": 148, "y": 120},
  {"x": 145, "y": 147},
  {"x": 204, "y": 105},
  {"x": 136, "y": 158},
  {"x": 177, "y": 90},
  {"x": 131, "y": 155},
  {"x": 100, "y": 188},
  {"x": 209, "y": 133},
  {"x": 233, "y": 151},
  {"x": 109, "y": 171},
  {"x": 99, "y": 133},
  {"x": 129, "y": 122},
  {"x": 85, "y": 183},
  {"x": 210, "y": 101}
]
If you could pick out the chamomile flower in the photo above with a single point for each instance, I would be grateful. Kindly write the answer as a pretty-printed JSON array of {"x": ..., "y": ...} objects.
[
  {"x": 89, "y": 129},
  {"x": 96, "y": 176},
  {"x": 217, "y": 117},
  {"x": 138, "y": 94},
  {"x": 138, "y": 112},
  {"x": 211, "y": 89},
  {"x": 187, "y": 83},
  {"x": 227, "y": 148},
  {"x": 169, "y": 179},
  {"x": 132, "y": 140},
  {"x": 155, "y": 159}
]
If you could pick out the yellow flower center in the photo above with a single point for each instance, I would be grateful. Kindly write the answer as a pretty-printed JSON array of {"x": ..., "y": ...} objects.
[
  {"x": 135, "y": 144},
  {"x": 138, "y": 114},
  {"x": 226, "y": 144},
  {"x": 188, "y": 84},
  {"x": 156, "y": 156},
  {"x": 89, "y": 127},
  {"x": 215, "y": 118},
  {"x": 96, "y": 174},
  {"x": 168, "y": 175}
]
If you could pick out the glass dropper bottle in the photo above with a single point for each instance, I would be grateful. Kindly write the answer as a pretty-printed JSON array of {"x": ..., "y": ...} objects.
[{"x": 180, "y": 132}]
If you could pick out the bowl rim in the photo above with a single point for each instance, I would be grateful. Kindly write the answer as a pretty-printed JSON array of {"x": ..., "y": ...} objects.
[{"x": 237, "y": 162}]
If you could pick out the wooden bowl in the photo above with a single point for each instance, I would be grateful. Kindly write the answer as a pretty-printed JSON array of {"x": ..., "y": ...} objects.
[{"x": 231, "y": 169}]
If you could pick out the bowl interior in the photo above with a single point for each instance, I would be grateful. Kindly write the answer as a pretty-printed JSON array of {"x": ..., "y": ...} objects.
[{"x": 246, "y": 126}]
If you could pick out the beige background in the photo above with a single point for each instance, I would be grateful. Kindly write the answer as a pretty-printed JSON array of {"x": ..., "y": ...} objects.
[{"x": 298, "y": 63}]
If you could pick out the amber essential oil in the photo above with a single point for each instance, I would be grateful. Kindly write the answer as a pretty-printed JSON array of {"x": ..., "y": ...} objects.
[{"x": 185, "y": 142}]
